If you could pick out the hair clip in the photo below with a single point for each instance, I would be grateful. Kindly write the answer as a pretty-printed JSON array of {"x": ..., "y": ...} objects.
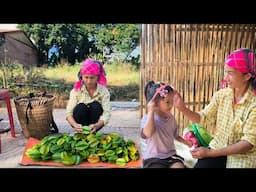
[{"x": 161, "y": 91}]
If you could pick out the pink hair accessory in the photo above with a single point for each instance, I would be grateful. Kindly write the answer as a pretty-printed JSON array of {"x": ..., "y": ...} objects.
[{"x": 161, "y": 91}]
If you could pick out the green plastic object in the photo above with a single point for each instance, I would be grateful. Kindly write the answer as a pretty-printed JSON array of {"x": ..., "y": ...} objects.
[{"x": 201, "y": 133}]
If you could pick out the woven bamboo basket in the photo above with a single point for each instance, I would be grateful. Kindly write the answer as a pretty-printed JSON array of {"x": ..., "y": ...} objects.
[{"x": 35, "y": 115}]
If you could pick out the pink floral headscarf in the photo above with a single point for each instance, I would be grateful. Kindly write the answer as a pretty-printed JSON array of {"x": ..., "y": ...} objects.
[
  {"x": 91, "y": 67},
  {"x": 242, "y": 60}
]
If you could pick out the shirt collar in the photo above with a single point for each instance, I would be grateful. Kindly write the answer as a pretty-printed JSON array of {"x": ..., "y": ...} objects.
[
  {"x": 83, "y": 89},
  {"x": 247, "y": 96}
]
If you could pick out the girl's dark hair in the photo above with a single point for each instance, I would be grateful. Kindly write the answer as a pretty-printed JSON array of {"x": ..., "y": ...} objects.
[{"x": 151, "y": 88}]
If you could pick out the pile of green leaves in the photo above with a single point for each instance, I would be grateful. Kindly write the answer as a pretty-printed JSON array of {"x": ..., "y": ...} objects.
[{"x": 85, "y": 146}]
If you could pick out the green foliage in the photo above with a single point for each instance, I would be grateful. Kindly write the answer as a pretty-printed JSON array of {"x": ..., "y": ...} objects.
[
  {"x": 68, "y": 37},
  {"x": 22, "y": 80},
  {"x": 120, "y": 38},
  {"x": 79, "y": 41},
  {"x": 8, "y": 70}
]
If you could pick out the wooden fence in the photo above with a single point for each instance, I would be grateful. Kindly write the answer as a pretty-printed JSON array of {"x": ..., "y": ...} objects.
[{"x": 191, "y": 58}]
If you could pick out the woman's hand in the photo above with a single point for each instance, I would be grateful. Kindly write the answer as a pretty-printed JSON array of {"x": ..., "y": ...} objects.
[
  {"x": 78, "y": 127},
  {"x": 96, "y": 126},
  {"x": 200, "y": 152},
  {"x": 178, "y": 101},
  {"x": 93, "y": 127}
]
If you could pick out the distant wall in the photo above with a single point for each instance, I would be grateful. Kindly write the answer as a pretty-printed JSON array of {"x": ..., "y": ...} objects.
[{"x": 18, "y": 49}]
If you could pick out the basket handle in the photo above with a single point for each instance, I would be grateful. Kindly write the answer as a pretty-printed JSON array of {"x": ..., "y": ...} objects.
[
  {"x": 29, "y": 106},
  {"x": 54, "y": 126}
]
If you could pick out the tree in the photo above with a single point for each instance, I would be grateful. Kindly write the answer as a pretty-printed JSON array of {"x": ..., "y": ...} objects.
[
  {"x": 122, "y": 38},
  {"x": 79, "y": 41}
]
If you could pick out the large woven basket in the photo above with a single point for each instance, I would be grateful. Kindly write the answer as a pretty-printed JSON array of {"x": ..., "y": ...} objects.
[{"x": 35, "y": 115}]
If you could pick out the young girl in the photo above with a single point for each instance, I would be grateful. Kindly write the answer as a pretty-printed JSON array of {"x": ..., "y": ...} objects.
[{"x": 159, "y": 129}]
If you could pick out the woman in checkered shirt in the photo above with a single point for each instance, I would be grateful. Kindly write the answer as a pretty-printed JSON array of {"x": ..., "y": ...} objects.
[
  {"x": 89, "y": 100},
  {"x": 233, "y": 111}
]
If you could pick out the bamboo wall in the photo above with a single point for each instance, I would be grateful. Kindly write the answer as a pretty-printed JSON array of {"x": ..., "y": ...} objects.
[{"x": 190, "y": 57}]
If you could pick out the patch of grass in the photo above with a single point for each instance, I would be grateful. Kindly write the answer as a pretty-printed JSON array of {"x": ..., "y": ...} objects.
[
  {"x": 123, "y": 74},
  {"x": 118, "y": 74},
  {"x": 64, "y": 72},
  {"x": 123, "y": 79}
]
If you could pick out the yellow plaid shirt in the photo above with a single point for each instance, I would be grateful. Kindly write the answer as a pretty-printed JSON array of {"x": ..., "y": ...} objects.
[
  {"x": 233, "y": 124},
  {"x": 101, "y": 95}
]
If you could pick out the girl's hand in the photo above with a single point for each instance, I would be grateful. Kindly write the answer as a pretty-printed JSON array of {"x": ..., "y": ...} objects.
[
  {"x": 152, "y": 105},
  {"x": 188, "y": 143}
]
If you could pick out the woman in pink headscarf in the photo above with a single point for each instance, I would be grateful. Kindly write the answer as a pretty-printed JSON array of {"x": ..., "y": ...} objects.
[
  {"x": 89, "y": 101},
  {"x": 233, "y": 111}
]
